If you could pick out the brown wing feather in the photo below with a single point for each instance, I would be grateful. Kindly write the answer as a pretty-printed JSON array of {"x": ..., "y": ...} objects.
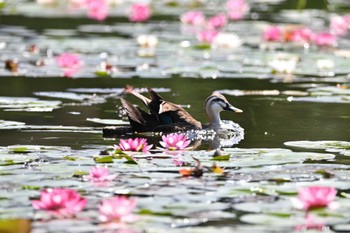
[
  {"x": 154, "y": 95},
  {"x": 179, "y": 115},
  {"x": 144, "y": 99},
  {"x": 164, "y": 115},
  {"x": 140, "y": 120}
]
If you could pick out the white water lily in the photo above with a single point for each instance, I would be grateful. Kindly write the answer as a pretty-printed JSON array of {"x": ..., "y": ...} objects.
[
  {"x": 46, "y": 2},
  {"x": 226, "y": 41},
  {"x": 147, "y": 41},
  {"x": 283, "y": 64},
  {"x": 325, "y": 64},
  {"x": 115, "y": 2}
]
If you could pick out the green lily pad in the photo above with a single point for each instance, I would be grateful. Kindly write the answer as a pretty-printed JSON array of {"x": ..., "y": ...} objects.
[
  {"x": 221, "y": 158},
  {"x": 342, "y": 147},
  {"x": 11, "y": 124},
  {"x": 20, "y": 150},
  {"x": 28, "y": 104},
  {"x": 15, "y": 225},
  {"x": 104, "y": 159},
  {"x": 269, "y": 220}
]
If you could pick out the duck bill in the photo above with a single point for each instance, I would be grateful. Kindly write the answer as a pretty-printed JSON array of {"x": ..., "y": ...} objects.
[{"x": 229, "y": 107}]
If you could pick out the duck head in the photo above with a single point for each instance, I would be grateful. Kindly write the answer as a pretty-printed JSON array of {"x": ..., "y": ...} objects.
[{"x": 215, "y": 104}]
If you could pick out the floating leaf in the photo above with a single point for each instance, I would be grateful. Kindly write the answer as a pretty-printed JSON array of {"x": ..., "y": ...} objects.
[
  {"x": 20, "y": 150},
  {"x": 217, "y": 170},
  {"x": 108, "y": 121},
  {"x": 202, "y": 46},
  {"x": 103, "y": 159},
  {"x": 342, "y": 147},
  {"x": 79, "y": 174},
  {"x": 324, "y": 173},
  {"x": 186, "y": 172},
  {"x": 11, "y": 124},
  {"x": 101, "y": 73},
  {"x": 30, "y": 187},
  {"x": 70, "y": 158},
  {"x": 150, "y": 212},
  {"x": 9, "y": 162},
  {"x": 15, "y": 225},
  {"x": 221, "y": 158},
  {"x": 129, "y": 159},
  {"x": 269, "y": 220},
  {"x": 65, "y": 95}
]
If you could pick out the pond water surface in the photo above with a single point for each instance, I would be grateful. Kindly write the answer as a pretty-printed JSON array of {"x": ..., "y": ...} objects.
[{"x": 296, "y": 124}]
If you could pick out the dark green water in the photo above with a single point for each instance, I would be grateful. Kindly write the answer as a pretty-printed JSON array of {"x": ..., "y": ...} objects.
[
  {"x": 268, "y": 121},
  {"x": 253, "y": 193}
]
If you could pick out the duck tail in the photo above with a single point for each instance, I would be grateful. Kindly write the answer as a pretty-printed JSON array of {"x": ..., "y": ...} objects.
[
  {"x": 134, "y": 113},
  {"x": 144, "y": 99},
  {"x": 140, "y": 120},
  {"x": 154, "y": 95}
]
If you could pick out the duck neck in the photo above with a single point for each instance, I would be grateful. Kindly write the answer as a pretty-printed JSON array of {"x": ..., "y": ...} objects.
[{"x": 214, "y": 118}]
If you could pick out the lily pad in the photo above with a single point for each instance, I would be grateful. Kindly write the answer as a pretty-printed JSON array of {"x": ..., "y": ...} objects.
[
  {"x": 28, "y": 104},
  {"x": 10, "y": 124},
  {"x": 108, "y": 121},
  {"x": 15, "y": 225},
  {"x": 64, "y": 95},
  {"x": 341, "y": 147}
]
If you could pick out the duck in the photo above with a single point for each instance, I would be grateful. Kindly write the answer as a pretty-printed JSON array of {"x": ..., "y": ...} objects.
[{"x": 165, "y": 116}]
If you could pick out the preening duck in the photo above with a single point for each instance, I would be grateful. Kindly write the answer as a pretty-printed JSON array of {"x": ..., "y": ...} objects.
[{"x": 165, "y": 116}]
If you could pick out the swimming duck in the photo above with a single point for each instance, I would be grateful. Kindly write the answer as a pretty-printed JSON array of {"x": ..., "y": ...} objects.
[{"x": 165, "y": 116}]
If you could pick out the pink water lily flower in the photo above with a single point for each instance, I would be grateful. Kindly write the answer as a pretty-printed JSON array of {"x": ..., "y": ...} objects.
[
  {"x": 217, "y": 21},
  {"x": 315, "y": 197},
  {"x": 97, "y": 9},
  {"x": 273, "y": 33},
  {"x": 207, "y": 36},
  {"x": 100, "y": 174},
  {"x": 339, "y": 25},
  {"x": 139, "y": 12},
  {"x": 193, "y": 18},
  {"x": 136, "y": 144},
  {"x": 175, "y": 141},
  {"x": 70, "y": 63},
  {"x": 325, "y": 39},
  {"x": 77, "y": 4},
  {"x": 237, "y": 9},
  {"x": 178, "y": 161},
  {"x": 68, "y": 60},
  {"x": 117, "y": 209},
  {"x": 303, "y": 35},
  {"x": 347, "y": 19},
  {"x": 311, "y": 223},
  {"x": 60, "y": 202}
]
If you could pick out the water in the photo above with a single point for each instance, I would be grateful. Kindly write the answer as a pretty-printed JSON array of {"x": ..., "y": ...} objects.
[
  {"x": 296, "y": 126},
  {"x": 268, "y": 121}
]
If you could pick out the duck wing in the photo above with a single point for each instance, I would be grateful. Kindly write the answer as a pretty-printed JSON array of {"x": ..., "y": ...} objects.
[
  {"x": 164, "y": 116},
  {"x": 140, "y": 120},
  {"x": 153, "y": 103},
  {"x": 178, "y": 115}
]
